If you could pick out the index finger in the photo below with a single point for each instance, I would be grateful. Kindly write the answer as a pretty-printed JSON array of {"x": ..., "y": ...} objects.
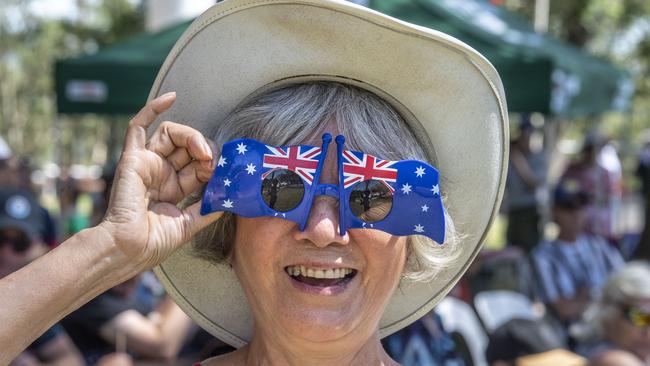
[
  {"x": 136, "y": 133},
  {"x": 169, "y": 136}
]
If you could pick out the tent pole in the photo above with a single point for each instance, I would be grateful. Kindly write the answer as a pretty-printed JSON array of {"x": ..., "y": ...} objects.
[{"x": 541, "y": 15}]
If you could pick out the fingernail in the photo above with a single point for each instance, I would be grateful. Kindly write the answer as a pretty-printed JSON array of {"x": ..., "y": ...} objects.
[
  {"x": 206, "y": 148},
  {"x": 168, "y": 95}
]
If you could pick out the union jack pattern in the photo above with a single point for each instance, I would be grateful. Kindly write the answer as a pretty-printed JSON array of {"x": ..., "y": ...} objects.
[
  {"x": 303, "y": 160},
  {"x": 358, "y": 167}
]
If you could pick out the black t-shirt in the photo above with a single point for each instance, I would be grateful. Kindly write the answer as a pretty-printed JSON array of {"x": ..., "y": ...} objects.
[{"x": 83, "y": 325}]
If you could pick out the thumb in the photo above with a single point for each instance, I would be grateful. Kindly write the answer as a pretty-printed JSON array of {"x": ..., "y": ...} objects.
[{"x": 195, "y": 222}]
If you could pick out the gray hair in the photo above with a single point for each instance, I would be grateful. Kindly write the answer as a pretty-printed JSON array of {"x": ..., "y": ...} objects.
[
  {"x": 294, "y": 113},
  {"x": 625, "y": 286}
]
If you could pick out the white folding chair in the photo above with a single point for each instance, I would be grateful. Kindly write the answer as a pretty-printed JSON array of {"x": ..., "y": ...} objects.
[
  {"x": 496, "y": 307},
  {"x": 458, "y": 316}
]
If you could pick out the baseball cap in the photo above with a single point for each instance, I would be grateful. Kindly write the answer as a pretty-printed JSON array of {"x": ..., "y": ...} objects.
[
  {"x": 20, "y": 210},
  {"x": 569, "y": 194}
]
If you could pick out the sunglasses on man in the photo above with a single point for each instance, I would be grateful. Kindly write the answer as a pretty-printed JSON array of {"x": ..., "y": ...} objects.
[
  {"x": 636, "y": 316},
  {"x": 18, "y": 242},
  {"x": 253, "y": 179}
]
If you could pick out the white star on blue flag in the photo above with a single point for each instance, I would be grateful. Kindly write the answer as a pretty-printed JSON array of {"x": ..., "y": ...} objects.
[
  {"x": 222, "y": 161},
  {"x": 425, "y": 208},
  {"x": 250, "y": 168},
  {"x": 435, "y": 189},
  {"x": 406, "y": 188},
  {"x": 418, "y": 228},
  {"x": 226, "y": 182},
  {"x": 419, "y": 171},
  {"x": 227, "y": 204},
  {"x": 241, "y": 148}
]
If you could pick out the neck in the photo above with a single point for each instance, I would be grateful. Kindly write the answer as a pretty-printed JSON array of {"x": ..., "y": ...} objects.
[
  {"x": 568, "y": 236},
  {"x": 274, "y": 350}
]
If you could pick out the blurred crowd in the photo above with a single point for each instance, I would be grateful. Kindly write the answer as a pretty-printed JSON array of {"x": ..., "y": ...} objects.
[
  {"x": 568, "y": 287},
  {"x": 132, "y": 323}
]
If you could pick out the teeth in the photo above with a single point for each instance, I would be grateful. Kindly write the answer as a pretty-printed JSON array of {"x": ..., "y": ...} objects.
[{"x": 318, "y": 273}]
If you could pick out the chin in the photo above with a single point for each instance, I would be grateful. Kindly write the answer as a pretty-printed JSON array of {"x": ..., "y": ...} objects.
[{"x": 321, "y": 325}]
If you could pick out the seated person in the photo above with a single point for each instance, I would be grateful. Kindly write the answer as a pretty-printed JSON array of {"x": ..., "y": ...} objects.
[
  {"x": 572, "y": 269},
  {"x": 424, "y": 342},
  {"x": 616, "y": 328},
  {"x": 122, "y": 320},
  {"x": 21, "y": 226}
]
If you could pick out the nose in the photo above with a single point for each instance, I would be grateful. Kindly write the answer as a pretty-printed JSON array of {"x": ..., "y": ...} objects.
[{"x": 322, "y": 227}]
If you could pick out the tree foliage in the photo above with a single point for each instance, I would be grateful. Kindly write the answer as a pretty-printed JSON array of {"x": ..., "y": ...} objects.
[
  {"x": 618, "y": 31},
  {"x": 29, "y": 46}
]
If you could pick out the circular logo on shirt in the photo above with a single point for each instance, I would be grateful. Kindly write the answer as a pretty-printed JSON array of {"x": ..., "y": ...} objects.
[{"x": 18, "y": 207}]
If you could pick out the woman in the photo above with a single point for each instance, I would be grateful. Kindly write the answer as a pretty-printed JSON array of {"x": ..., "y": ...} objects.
[
  {"x": 617, "y": 326},
  {"x": 255, "y": 279}
]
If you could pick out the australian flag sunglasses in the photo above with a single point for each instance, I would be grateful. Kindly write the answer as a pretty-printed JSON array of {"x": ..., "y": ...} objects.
[{"x": 399, "y": 197}]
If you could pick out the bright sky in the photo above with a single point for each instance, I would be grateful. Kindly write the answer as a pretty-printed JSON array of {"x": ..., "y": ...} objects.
[
  {"x": 56, "y": 9},
  {"x": 164, "y": 12}
]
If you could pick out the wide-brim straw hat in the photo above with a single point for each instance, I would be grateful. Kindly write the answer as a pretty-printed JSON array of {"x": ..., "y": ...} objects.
[{"x": 450, "y": 95}]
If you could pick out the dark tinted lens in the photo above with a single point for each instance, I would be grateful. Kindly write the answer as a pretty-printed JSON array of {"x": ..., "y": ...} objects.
[
  {"x": 282, "y": 190},
  {"x": 19, "y": 242},
  {"x": 371, "y": 200}
]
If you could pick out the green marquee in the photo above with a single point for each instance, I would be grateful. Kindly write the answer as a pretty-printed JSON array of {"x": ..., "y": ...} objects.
[
  {"x": 574, "y": 82},
  {"x": 540, "y": 73},
  {"x": 117, "y": 79}
]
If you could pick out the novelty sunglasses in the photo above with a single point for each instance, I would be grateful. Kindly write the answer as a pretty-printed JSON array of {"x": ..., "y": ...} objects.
[{"x": 253, "y": 179}]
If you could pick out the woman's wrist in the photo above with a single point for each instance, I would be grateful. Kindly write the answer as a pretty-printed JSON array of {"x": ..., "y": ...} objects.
[{"x": 109, "y": 261}]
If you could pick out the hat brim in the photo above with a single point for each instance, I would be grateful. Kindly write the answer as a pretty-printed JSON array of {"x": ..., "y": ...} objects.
[{"x": 451, "y": 97}]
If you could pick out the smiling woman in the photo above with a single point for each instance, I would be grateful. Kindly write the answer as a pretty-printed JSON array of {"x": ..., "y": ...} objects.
[
  {"x": 294, "y": 264},
  {"x": 285, "y": 272}
]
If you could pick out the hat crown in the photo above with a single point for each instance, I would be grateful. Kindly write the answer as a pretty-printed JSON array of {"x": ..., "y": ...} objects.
[{"x": 449, "y": 95}]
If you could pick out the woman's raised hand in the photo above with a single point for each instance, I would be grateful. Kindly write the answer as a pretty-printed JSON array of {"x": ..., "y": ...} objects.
[{"x": 151, "y": 178}]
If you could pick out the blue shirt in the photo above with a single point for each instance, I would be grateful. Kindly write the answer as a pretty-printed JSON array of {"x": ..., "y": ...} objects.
[
  {"x": 564, "y": 268},
  {"x": 422, "y": 344}
]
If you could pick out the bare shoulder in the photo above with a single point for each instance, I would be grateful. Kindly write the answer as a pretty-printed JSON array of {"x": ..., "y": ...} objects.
[{"x": 615, "y": 358}]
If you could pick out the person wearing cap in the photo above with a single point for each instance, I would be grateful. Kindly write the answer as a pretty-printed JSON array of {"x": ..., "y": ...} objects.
[
  {"x": 15, "y": 174},
  {"x": 21, "y": 227},
  {"x": 324, "y": 95},
  {"x": 615, "y": 329},
  {"x": 596, "y": 181},
  {"x": 572, "y": 269}
]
